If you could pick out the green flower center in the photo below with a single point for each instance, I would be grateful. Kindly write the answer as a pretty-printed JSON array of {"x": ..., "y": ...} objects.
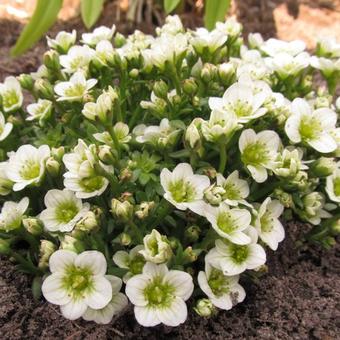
[
  {"x": 10, "y": 98},
  {"x": 240, "y": 108},
  {"x": 232, "y": 192},
  {"x": 267, "y": 222},
  {"x": 310, "y": 128},
  {"x": 76, "y": 90},
  {"x": 218, "y": 282},
  {"x": 336, "y": 184},
  {"x": 182, "y": 191},
  {"x": 226, "y": 223},
  {"x": 239, "y": 253},
  {"x": 78, "y": 281},
  {"x": 159, "y": 294},
  {"x": 66, "y": 211},
  {"x": 92, "y": 183},
  {"x": 136, "y": 265},
  {"x": 30, "y": 170},
  {"x": 255, "y": 154}
]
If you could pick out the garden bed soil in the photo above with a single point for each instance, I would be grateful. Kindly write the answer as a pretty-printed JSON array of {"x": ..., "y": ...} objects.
[{"x": 299, "y": 297}]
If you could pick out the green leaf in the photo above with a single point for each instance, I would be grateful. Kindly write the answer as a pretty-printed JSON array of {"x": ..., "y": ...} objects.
[
  {"x": 90, "y": 11},
  {"x": 44, "y": 16},
  {"x": 215, "y": 10},
  {"x": 170, "y": 5}
]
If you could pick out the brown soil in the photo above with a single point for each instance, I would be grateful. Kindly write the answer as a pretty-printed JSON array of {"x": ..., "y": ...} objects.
[{"x": 297, "y": 299}]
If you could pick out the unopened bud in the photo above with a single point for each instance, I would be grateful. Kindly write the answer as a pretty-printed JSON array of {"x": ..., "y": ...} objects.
[
  {"x": 44, "y": 89},
  {"x": 161, "y": 89},
  {"x": 47, "y": 248},
  {"x": 119, "y": 40},
  {"x": 73, "y": 244},
  {"x": 58, "y": 153},
  {"x": 192, "y": 233},
  {"x": 335, "y": 226},
  {"x": 205, "y": 308},
  {"x": 190, "y": 87},
  {"x": 26, "y": 81},
  {"x": 105, "y": 154},
  {"x": 52, "y": 167},
  {"x": 51, "y": 60},
  {"x": 33, "y": 225},
  {"x": 134, "y": 73},
  {"x": 121, "y": 210},
  {"x": 191, "y": 255},
  {"x": 208, "y": 72},
  {"x": 226, "y": 72},
  {"x": 323, "y": 167},
  {"x": 124, "y": 239},
  {"x": 88, "y": 222},
  {"x": 144, "y": 209},
  {"x": 125, "y": 175}
]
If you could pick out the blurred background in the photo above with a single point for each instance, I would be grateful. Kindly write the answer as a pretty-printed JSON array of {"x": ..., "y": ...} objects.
[{"x": 288, "y": 20}]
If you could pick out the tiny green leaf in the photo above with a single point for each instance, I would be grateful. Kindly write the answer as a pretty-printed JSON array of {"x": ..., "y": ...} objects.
[
  {"x": 44, "y": 16},
  {"x": 170, "y": 5},
  {"x": 215, "y": 10},
  {"x": 90, "y": 11}
]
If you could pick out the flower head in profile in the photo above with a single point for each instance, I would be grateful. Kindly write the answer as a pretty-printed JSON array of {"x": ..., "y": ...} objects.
[
  {"x": 267, "y": 223},
  {"x": 230, "y": 223},
  {"x": 230, "y": 27},
  {"x": 99, "y": 34},
  {"x": 63, "y": 210},
  {"x": 12, "y": 214},
  {"x": 5, "y": 183},
  {"x": 117, "y": 304},
  {"x": 39, "y": 111},
  {"x": 63, "y": 41},
  {"x": 241, "y": 100},
  {"x": 11, "y": 94},
  {"x": 312, "y": 127},
  {"x": 133, "y": 261},
  {"x": 234, "y": 259},
  {"x": 205, "y": 41},
  {"x": 223, "y": 291},
  {"x": 77, "y": 282},
  {"x": 272, "y": 47},
  {"x": 333, "y": 186},
  {"x": 27, "y": 165},
  {"x": 172, "y": 25},
  {"x": 159, "y": 295},
  {"x": 236, "y": 190},
  {"x": 77, "y": 59},
  {"x": 183, "y": 188},
  {"x": 313, "y": 208},
  {"x": 75, "y": 88},
  {"x": 259, "y": 152},
  {"x": 5, "y": 128},
  {"x": 328, "y": 67},
  {"x": 328, "y": 47}
]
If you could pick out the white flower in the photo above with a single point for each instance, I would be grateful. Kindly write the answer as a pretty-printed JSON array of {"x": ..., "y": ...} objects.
[
  {"x": 5, "y": 128},
  {"x": 241, "y": 100},
  {"x": 220, "y": 127},
  {"x": 333, "y": 186},
  {"x": 63, "y": 41},
  {"x": 223, "y": 291},
  {"x": 313, "y": 211},
  {"x": 117, "y": 304},
  {"x": 12, "y": 214},
  {"x": 325, "y": 65},
  {"x": 133, "y": 261},
  {"x": 159, "y": 295},
  {"x": 230, "y": 223},
  {"x": 63, "y": 210},
  {"x": 230, "y": 27},
  {"x": 172, "y": 25},
  {"x": 311, "y": 127},
  {"x": 26, "y": 166},
  {"x": 75, "y": 88},
  {"x": 78, "y": 58},
  {"x": 259, "y": 152},
  {"x": 5, "y": 183},
  {"x": 236, "y": 189},
  {"x": 183, "y": 189},
  {"x": 105, "y": 52},
  {"x": 77, "y": 282},
  {"x": 268, "y": 226},
  {"x": 100, "y": 33},
  {"x": 204, "y": 40},
  {"x": 255, "y": 40},
  {"x": 40, "y": 110},
  {"x": 234, "y": 259},
  {"x": 328, "y": 47},
  {"x": 156, "y": 248},
  {"x": 11, "y": 94},
  {"x": 272, "y": 47},
  {"x": 163, "y": 135},
  {"x": 286, "y": 65}
]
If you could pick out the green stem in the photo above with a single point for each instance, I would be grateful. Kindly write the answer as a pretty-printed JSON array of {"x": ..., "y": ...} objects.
[
  {"x": 223, "y": 158},
  {"x": 114, "y": 139}
]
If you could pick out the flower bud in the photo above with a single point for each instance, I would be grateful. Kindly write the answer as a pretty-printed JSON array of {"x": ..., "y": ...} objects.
[
  {"x": 190, "y": 255},
  {"x": 134, "y": 73},
  {"x": 226, "y": 72},
  {"x": 52, "y": 167},
  {"x": 72, "y": 244},
  {"x": 335, "y": 226},
  {"x": 156, "y": 248},
  {"x": 105, "y": 154},
  {"x": 210, "y": 172},
  {"x": 192, "y": 233},
  {"x": 192, "y": 134},
  {"x": 5, "y": 247},
  {"x": 44, "y": 89},
  {"x": 119, "y": 40},
  {"x": 125, "y": 175},
  {"x": 161, "y": 89},
  {"x": 51, "y": 60},
  {"x": 323, "y": 167},
  {"x": 88, "y": 222},
  {"x": 143, "y": 210},
  {"x": 122, "y": 210},
  {"x": 205, "y": 308},
  {"x": 285, "y": 198},
  {"x": 208, "y": 72},
  {"x": 58, "y": 153},
  {"x": 214, "y": 194},
  {"x": 190, "y": 87},
  {"x": 26, "y": 81},
  {"x": 47, "y": 248},
  {"x": 33, "y": 225}
]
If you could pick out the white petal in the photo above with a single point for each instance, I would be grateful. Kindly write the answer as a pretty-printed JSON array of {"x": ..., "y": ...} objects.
[
  {"x": 324, "y": 144},
  {"x": 135, "y": 289},
  {"x": 247, "y": 137},
  {"x": 257, "y": 256},
  {"x": 182, "y": 282},
  {"x": 175, "y": 314},
  {"x": 53, "y": 291},
  {"x": 74, "y": 309},
  {"x": 101, "y": 294},
  {"x": 61, "y": 259},
  {"x": 154, "y": 270},
  {"x": 92, "y": 259},
  {"x": 259, "y": 173},
  {"x": 146, "y": 316}
]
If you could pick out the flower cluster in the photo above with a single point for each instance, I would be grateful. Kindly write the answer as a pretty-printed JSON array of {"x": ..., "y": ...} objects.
[{"x": 150, "y": 167}]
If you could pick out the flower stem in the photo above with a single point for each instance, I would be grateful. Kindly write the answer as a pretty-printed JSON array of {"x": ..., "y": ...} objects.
[{"x": 223, "y": 158}]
